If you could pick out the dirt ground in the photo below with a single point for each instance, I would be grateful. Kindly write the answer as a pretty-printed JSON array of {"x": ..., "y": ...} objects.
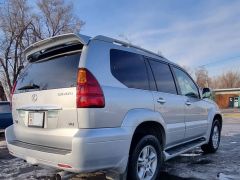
[{"x": 224, "y": 165}]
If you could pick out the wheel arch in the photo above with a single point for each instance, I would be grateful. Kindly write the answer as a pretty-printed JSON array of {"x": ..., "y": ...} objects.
[
  {"x": 142, "y": 121},
  {"x": 146, "y": 128},
  {"x": 219, "y": 118}
]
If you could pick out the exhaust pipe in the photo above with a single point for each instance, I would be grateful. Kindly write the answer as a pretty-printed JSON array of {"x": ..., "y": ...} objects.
[{"x": 63, "y": 175}]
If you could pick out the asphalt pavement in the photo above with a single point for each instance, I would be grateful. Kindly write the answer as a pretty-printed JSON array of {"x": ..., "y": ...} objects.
[{"x": 223, "y": 165}]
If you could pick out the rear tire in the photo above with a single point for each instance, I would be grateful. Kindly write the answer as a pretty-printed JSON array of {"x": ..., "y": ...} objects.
[
  {"x": 146, "y": 159},
  {"x": 215, "y": 138}
]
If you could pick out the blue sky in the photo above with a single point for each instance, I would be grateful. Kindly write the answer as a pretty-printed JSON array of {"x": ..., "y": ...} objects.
[{"x": 189, "y": 32}]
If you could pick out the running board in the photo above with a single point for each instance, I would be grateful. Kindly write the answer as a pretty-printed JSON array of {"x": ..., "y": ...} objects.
[{"x": 177, "y": 150}]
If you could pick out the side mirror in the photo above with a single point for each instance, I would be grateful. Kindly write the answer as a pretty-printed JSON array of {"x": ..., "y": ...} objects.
[{"x": 206, "y": 93}]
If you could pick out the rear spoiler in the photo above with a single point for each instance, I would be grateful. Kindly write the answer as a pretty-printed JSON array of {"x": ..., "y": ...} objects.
[{"x": 56, "y": 40}]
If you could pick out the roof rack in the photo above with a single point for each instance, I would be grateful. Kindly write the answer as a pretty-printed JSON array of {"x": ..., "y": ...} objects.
[{"x": 125, "y": 44}]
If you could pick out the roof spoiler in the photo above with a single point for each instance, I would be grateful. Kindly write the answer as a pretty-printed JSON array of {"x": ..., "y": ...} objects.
[{"x": 56, "y": 40}]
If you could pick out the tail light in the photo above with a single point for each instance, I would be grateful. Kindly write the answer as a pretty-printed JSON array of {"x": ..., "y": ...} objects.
[
  {"x": 64, "y": 165},
  {"x": 89, "y": 92}
]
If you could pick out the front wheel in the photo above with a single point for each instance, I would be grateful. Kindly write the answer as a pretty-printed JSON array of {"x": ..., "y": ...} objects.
[
  {"x": 215, "y": 137},
  {"x": 146, "y": 159}
]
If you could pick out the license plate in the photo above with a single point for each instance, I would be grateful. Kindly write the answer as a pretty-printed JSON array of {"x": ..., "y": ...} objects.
[{"x": 36, "y": 119}]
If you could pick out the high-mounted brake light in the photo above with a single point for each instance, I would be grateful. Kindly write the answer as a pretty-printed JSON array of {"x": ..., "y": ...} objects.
[{"x": 89, "y": 92}]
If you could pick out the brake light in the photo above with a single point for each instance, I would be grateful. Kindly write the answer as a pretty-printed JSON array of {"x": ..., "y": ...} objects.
[
  {"x": 64, "y": 165},
  {"x": 89, "y": 92}
]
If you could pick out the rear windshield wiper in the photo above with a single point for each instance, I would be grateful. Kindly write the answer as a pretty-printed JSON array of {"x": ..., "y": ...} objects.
[{"x": 30, "y": 86}]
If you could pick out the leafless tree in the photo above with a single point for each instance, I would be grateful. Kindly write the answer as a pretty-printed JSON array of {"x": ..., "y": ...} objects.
[
  {"x": 2, "y": 94},
  {"x": 202, "y": 77},
  {"x": 215, "y": 82},
  {"x": 14, "y": 24},
  {"x": 20, "y": 26},
  {"x": 56, "y": 17},
  {"x": 230, "y": 79}
]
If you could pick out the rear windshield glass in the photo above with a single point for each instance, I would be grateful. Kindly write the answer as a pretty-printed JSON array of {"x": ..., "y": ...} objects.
[{"x": 54, "y": 73}]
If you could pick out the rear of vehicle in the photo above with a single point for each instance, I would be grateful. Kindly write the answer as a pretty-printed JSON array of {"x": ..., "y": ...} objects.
[
  {"x": 84, "y": 105},
  {"x": 5, "y": 115},
  {"x": 53, "y": 100}
]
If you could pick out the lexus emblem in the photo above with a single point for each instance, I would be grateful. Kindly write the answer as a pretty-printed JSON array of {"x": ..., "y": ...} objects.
[{"x": 34, "y": 97}]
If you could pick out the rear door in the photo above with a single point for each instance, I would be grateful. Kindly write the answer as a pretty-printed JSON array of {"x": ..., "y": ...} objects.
[
  {"x": 48, "y": 86},
  {"x": 45, "y": 94},
  {"x": 196, "y": 111},
  {"x": 167, "y": 102}
]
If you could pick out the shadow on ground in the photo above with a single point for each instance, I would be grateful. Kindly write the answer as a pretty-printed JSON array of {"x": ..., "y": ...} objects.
[{"x": 193, "y": 165}]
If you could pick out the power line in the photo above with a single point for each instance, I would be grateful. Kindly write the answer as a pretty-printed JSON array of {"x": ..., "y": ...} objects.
[{"x": 211, "y": 63}]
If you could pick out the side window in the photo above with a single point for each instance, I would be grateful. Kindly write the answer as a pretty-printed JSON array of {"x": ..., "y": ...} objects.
[
  {"x": 186, "y": 84},
  {"x": 152, "y": 83},
  {"x": 129, "y": 69},
  {"x": 163, "y": 76}
]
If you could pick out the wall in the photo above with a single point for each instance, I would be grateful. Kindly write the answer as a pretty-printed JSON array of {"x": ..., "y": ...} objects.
[{"x": 223, "y": 99}]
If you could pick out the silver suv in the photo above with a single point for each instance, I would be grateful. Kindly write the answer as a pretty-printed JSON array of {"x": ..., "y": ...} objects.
[{"x": 87, "y": 104}]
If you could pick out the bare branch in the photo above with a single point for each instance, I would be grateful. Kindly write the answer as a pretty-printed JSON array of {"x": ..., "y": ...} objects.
[{"x": 20, "y": 27}]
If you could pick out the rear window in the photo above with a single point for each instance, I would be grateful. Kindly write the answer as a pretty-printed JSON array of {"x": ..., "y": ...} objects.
[
  {"x": 53, "y": 73},
  {"x": 129, "y": 69},
  {"x": 163, "y": 76}
]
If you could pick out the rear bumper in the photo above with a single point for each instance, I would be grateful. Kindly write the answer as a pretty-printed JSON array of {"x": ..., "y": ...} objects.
[{"x": 92, "y": 150}]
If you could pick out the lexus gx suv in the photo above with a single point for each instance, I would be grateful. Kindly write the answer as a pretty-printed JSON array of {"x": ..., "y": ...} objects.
[{"x": 87, "y": 104}]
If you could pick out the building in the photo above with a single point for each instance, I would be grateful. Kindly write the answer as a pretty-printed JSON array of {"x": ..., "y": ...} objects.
[{"x": 227, "y": 98}]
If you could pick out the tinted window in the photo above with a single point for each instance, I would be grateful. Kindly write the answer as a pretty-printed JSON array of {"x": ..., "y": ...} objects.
[
  {"x": 59, "y": 72},
  {"x": 163, "y": 76},
  {"x": 152, "y": 83},
  {"x": 129, "y": 68},
  {"x": 186, "y": 84}
]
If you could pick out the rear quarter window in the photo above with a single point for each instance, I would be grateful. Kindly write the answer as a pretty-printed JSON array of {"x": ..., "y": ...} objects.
[{"x": 129, "y": 68}]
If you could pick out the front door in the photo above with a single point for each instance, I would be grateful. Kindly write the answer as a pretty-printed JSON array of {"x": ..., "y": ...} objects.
[
  {"x": 168, "y": 103},
  {"x": 196, "y": 112}
]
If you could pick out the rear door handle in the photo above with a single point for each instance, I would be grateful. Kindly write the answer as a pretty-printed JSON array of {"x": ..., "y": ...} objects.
[
  {"x": 161, "y": 101},
  {"x": 188, "y": 103}
]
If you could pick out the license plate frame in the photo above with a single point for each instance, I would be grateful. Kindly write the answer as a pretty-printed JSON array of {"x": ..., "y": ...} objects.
[{"x": 36, "y": 119}]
